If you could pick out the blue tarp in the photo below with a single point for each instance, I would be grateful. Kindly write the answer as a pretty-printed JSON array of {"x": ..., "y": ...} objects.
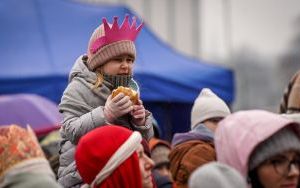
[{"x": 40, "y": 40}]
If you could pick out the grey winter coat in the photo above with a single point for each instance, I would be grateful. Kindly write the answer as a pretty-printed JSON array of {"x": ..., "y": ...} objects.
[{"x": 82, "y": 109}]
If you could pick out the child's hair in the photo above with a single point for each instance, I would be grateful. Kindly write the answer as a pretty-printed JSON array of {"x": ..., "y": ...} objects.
[
  {"x": 99, "y": 80},
  {"x": 253, "y": 179}
]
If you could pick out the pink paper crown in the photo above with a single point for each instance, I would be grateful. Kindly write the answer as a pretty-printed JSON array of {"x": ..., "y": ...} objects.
[{"x": 116, "y": 33}]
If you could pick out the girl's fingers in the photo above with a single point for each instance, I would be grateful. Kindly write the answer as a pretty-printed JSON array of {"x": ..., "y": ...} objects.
[{"x": 118, "y": 97}]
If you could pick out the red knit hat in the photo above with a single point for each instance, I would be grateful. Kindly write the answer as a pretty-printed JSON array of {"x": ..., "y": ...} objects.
[
  {"x": 98, "y": 156},
  {"x": 110, "y": 40}
]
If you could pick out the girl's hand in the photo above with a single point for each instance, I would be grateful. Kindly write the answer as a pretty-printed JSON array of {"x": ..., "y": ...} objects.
[
  {"x": 138, "y": 114},
  {"x": 117, "y": 107}
]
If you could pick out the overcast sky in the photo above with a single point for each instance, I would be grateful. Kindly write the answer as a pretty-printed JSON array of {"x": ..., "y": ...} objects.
[{"x": 267, "y": 25}]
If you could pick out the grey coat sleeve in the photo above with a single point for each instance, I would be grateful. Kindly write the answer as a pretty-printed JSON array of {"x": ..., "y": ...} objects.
[
  {"x": 79, "y": 117},
  {"x": 75, "y": 127}
]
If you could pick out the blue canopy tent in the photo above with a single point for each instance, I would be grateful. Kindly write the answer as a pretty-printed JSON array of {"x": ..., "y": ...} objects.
[{"x": 40, "y": 40}]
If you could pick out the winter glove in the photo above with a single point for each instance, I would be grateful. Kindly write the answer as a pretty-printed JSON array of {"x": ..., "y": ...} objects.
[
  {"x": 138, "y": 114},
  {"x": 117, "y": 107}
]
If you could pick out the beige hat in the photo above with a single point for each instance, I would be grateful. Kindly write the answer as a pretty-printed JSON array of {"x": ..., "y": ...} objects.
[
  {"x": 109, "y": 51},
  {"x": 216, "y": 175},
  {"x": 208, "y": 105}
]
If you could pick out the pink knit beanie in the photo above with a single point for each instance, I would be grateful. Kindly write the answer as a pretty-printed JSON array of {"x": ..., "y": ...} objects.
[{"x": 111, "y": 40}]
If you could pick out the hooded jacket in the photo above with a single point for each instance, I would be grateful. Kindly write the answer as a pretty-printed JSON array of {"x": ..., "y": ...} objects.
[
  {"x": 82, "y": 107},
  {"x": 25, "y": 173},
  {"x": 239, "y": 134},
  {"x": 200, "y": 132},
  {"x": 190, "y": 150}
]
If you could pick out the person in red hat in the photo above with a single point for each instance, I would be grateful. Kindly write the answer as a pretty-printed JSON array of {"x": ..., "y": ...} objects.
[{"x": 113, "y": 156}]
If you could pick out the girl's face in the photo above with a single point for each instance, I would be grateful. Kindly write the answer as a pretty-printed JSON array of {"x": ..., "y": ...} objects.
[
  {"x": 280, "y": 171},
  {"x": 120, "y": 65},
  {"x": 146, "y": 165}
]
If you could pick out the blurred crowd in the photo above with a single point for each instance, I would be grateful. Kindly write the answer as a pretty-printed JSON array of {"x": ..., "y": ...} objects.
[{"x": 114, "y": 142}]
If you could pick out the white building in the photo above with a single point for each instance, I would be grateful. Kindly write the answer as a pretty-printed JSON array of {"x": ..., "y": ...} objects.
[
  {"x": 214, "y": 29},
  {"x": 250, "y": 36}
]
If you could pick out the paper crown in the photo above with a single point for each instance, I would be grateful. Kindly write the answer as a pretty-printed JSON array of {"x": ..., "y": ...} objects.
[
  {"x": 116, "y": 33},
  {"x": 17, "y": 145}
]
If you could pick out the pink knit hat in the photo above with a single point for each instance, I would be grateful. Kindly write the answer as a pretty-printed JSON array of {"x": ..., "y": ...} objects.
[{"x": 111, "y": 40}]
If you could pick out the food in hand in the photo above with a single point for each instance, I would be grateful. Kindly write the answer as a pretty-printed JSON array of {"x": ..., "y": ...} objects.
[{"x": 128, "y": 92}]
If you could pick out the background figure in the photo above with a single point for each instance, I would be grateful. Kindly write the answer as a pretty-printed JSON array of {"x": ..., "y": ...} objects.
[
  {"x": 290, "y": 102},
  {"x": 87, "y": 101},
  {"x": 208, "y": 109},
  {"x": 216, "y": 175},
  {"x": 113, "y": 156},
  {"x": 160, "y": 150},
  {"x": 271, "y": 157},
  {"x": 50, "y": 147},
  {"x": 195, "y": 148},
  {"x": 22, "y": 161},
  {"x": 156, "y": 128}
]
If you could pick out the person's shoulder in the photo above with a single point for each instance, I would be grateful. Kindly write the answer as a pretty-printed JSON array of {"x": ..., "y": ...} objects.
[
  {"x": 76, "y": 85},
  {"x": 192, "y": 146}
]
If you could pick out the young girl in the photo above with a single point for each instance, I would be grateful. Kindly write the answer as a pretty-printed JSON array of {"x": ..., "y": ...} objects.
[{"x": 87, "y": 101}]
